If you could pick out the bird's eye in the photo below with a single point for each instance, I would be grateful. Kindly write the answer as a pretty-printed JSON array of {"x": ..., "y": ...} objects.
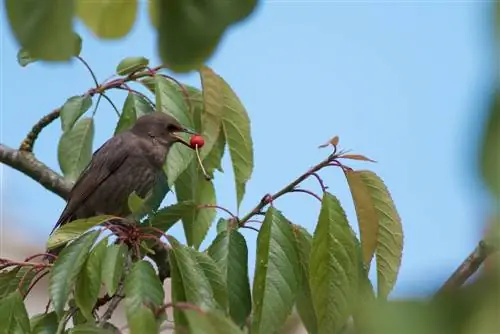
[{"x": 172, "y": 128}]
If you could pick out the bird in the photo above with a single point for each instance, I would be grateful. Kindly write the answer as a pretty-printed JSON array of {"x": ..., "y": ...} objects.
[{"x": 129, "y": 161}]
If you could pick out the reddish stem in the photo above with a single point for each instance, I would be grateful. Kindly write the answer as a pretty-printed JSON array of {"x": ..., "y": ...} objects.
[
  {"x": 213, "y": 206},
  {"x": 34, "y": 282},
  {"x": 305, "y": 191}
]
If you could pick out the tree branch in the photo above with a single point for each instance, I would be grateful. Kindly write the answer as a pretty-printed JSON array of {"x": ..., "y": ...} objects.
[
  {"x": 289, "y": 188},
  {"x": 26, "y": 163},
  {"x": 468, "y": 267}
]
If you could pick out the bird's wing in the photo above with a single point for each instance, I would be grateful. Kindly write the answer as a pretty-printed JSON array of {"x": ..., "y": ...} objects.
[{"x": 105, "y": 161}]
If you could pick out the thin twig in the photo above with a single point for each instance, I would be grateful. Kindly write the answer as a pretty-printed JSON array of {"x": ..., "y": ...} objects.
[
  {"x": 117, "y": 112},
  {"x": 213, "y": 206},
  {"x": 305, "y": 191},
  {"x": 468, "y": 267},
  {"x": 65, "y": 320},
  {"x": 89, "y": 69},
  {"x": 113, "y": 304},
  {"x": 288, "y": 188},
  {"x": 29, "y": 142}
]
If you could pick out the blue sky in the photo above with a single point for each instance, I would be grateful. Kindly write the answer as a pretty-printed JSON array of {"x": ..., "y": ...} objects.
[{"x": 404, "y": 83}]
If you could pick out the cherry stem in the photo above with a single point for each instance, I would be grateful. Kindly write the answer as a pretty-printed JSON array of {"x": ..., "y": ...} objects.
[{"x": 207, "y": 177}]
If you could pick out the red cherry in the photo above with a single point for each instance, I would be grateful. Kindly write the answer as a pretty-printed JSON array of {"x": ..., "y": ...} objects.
[{"x": 197, "y": 140}]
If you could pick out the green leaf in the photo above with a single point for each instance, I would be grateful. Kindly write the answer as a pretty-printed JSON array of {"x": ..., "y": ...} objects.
[
  {"x": 134, "y": 107},
  {"x": 213, "y": 102},
  {"x": 67, "y": 267},
  {"x": 17, "y": 278},
  {"x": 142, "y": 289},
  {"x": 236, "y": 126},
  {"x": 304, "y": 304},
  {"x": 88, "y": 283},
  {"x": 490, "y": 152},
  {"x": 277, "y": 274},
  {"x": 368, "y": 220},
  {"x": 213, "y": 160},
  {"x": 44, "y": 28},
  {"x": 230, "y": 252},
  {"x": 390, "y": 239},
  {"x": 131, "y": 65},
  {"x": 165, "y": 218},
  {"x": 108, "y": 19},
  {"x": 24, "y": 58},
  {"x": 210, "y": 322},
  {"x": 73, "y": 109},
  {"x": 188, "y": 280},
  {"x": 75, "y": 148},
  {"x": 9, "y": 280},
  {"x": 89, "y": 328},
  {"x": 214, "y": 276},
  {"x": 222, "y": 225},
  {"x": 135, "y": 204},
  {"x": 44, "y": 323},
  {"x": 333, "y": 267},
  {"x": 169, "y": 99},
  {"x": 189, "y": 31},
  {"x": 69, "y": 232},
  {"x": 13, "y": 315},
  {"x": 192, "y": 186},
  {"x": 153, "y": 13},
  {"x": 142, "y": 320},
  {"x": 112, "y": 267}
]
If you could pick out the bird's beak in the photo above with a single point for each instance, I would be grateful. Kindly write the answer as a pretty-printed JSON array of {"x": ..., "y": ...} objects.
[{"x": 180, "y": 139}]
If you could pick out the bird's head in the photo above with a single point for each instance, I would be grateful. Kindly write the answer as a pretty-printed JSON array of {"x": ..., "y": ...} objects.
[{"x": 162, "y": 127}]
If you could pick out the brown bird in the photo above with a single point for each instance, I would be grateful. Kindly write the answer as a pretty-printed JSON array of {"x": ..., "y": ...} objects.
[{"x": 130, "y": 161}]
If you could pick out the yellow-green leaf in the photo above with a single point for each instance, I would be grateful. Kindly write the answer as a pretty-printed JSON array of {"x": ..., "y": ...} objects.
[
  {"x": 490, "y": 152},
  {"x": 131, "y": 65},
  {"x": 108, "y": 19},
  {"x": 75, "y": 148},
  {"x": 368, "y": 219},
  {"x": 43, "y": 28},
  {"x": 74, "y": 229},
  {"x": 390, "y": 240}
]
